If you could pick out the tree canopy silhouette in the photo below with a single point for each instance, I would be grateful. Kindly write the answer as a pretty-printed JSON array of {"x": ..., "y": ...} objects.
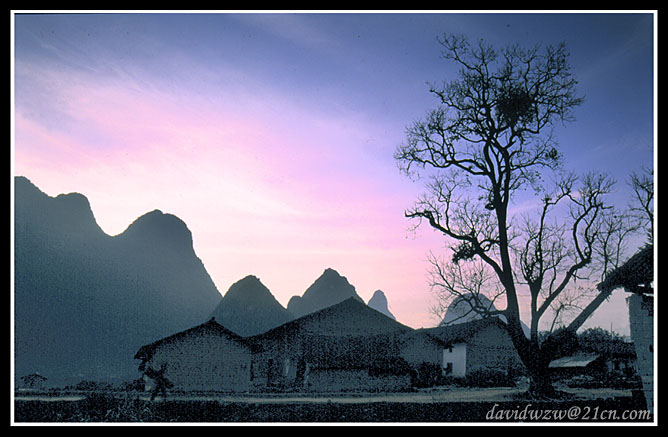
[{"x": 489, "y": 142}]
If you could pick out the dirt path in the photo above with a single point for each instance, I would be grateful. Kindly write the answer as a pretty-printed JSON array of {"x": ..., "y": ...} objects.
[{"x": 443, "y": 394}]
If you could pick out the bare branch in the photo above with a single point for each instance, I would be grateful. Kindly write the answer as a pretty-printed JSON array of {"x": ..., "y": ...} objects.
[
  {"x": 490, "y": 137},
  {"x": 643, "y": 205}
]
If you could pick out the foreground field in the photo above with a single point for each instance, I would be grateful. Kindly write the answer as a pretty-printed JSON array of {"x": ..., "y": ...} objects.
[{"x": 437, "y": 406}]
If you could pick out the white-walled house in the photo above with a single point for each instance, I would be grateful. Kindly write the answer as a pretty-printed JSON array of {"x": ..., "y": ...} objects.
[
  {"x": 477, "y": 345},
  {"x": 454, "y": 360},
  {"x": 636, "y": 277}
]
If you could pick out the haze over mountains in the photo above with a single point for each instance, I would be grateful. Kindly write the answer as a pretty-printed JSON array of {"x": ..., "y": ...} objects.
[
  {"x": 85, "y": 302},
  {"x": 379, "y": 302},
  {"x": 248, "y": 307},
  {"x": 460, "y": 311}
]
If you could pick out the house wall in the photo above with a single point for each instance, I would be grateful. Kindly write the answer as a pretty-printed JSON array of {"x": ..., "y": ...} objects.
[
  {"x": 457, "y": 356},
  {"x": 492, "y": 349},
  {"x": 276, "y": 365},
  {"x": 418, "y": 349},
  {"x": 641, "y": 315},
  {"x": 205, "y": 362}
]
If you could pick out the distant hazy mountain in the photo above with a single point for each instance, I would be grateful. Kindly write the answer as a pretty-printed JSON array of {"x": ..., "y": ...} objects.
[
  {"x": 86, "y": 301},
  {"x": 329, "y": 289},
  {"x": 249, "y": 308},
  {"x": 460, "y": 311},
  {"x": 379, "y": 303}
]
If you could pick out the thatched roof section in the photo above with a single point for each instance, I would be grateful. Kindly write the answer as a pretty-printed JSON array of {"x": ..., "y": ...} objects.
[
  {"x": 580, "y": 360},
  {"x": 347, "y": 335},
  {"x": 146, "y": 352},
  {"x": 348, "y": 318},
  {"x": 461, "y": 332},
  {"x": 635, "y": 275}
]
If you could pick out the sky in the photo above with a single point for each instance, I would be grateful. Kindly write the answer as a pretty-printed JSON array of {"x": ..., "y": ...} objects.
[{"x": 271, "y": 135}]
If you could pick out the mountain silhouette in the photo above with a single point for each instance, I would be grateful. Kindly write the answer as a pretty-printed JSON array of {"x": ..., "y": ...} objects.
[
  {"x": 379, "y": 302},
  {"x": 329, "y": 289},
  {"x": 248, "y": 308},
  {"x": 86, "y": 301},
  {"x": 460, "y": 311}
]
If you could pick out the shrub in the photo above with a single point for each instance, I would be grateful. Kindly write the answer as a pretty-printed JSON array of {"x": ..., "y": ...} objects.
[
  {"x": 134, "y": 385},
  {"x": 395, "y": 366},
  {"x": 489, "y": 378},
  {"x": 85, "y": 385},
  {"x": 426, "y": 375}
]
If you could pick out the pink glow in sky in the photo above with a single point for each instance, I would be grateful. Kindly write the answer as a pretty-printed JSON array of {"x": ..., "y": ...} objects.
[{"x": 270, "y": 136}]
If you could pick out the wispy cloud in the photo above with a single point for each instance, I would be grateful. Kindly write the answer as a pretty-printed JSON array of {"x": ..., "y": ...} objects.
[
  {"x": 270, "y": 135},
  {"x": 296, "y": 28}
]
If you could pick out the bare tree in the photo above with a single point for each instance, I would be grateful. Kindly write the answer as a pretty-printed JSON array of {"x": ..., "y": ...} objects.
[
  {"x": 643, "y": 208},
  {"x": 489, "y": 143}
]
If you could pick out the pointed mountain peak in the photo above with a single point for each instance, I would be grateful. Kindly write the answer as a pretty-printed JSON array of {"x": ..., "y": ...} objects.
[
  {"x": 379, "y": 303},
  {"x": 249, "y": 308},
  {"x": 378, "y": 295},
  {"x": 250, "y": 279},
  {"x": 159, "y": 226},
  {"x": 330, "y": 272},
  {"x": 249, "y": 288},
  {"x": 329, "y": 289},
  {"x": 331, "y": 282},
  {"x": 332, "y": 276}
]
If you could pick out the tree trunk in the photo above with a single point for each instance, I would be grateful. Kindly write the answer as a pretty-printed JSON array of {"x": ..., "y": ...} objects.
[
  {"x": 540, "y": 385},
  {"x": 536, "y": 361}
]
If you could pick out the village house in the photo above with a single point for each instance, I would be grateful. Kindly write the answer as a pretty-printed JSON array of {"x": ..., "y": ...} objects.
[
  {"x": 345, "y": 347},
  {"x": 611, "y": 358},
  {"x": 580, "y": 364},
  {"x": 482, "y": 345},
  {"x": 208, "y": 357},
  {"x": 636, "y": 277}
]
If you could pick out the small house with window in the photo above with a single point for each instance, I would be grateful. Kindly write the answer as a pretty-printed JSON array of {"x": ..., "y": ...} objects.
[
  {"x": 636, "y": 277},
  {"x": 474, "y": 346}
]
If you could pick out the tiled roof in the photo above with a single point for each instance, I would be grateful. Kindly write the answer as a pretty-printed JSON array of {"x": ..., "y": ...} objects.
[
  {"x": 461, "y": 332},
  {"x": 347, "y": 318},
  {"x": 211, "y": 327},
  {"x": 635, "y": 275},
  {"x": 580, "y": 360}
]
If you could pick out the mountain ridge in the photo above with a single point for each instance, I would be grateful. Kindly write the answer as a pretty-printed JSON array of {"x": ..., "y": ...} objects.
[{"x": 84, "y": 300}]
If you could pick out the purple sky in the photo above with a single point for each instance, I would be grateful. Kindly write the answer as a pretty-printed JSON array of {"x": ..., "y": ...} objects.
[{"x": 271, "y": 135}]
